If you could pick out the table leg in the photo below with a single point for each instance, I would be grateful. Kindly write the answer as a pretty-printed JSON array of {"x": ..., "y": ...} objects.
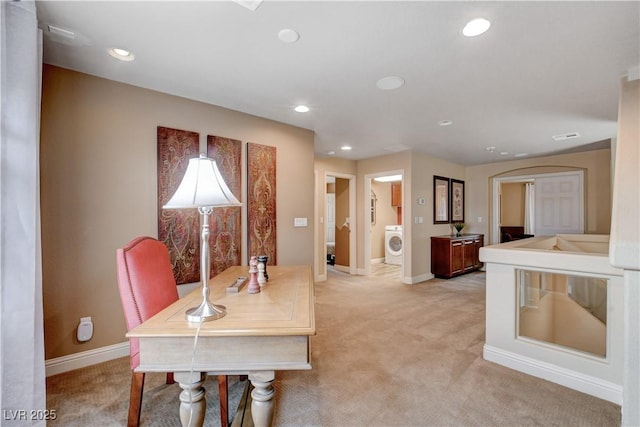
[
  {"x": 263, "y": 397},
  {"x": 192, "y": 400}
]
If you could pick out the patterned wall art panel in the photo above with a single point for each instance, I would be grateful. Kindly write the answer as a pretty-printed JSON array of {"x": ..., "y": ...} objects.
[
  {"x": 179, "y": 229},
  {"x": 226, "y": 234},
  {"x": 261, "y": 201}
]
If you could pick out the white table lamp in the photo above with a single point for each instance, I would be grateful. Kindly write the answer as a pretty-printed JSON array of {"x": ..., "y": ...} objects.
[{"x": 202, "y": 187}]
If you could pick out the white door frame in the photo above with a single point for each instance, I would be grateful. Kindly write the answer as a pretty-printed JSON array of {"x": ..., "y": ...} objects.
[
  {"x": 366, "y": 270},
  {"x": 352, "y": 218},
  {"x": 495, "y": 200}
]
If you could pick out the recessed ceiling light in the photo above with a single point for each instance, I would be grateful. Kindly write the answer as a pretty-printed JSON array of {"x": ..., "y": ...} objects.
[
  {"x": 302, "y": 109},
  {"x": 476, "y": 27},
  {"x": 121, "y": 54},
  {"x": 390, "y": 83},
  {"x": 520, "y": 155},
  {"x": 490, "y": 149},
  {"x": 345, "y": 148},
  {"x": 288, "y": 36},
  {"x": 504, "y": 153},
  {"x": 331, "y": 153},
  {"x": 445, "y": 122}
]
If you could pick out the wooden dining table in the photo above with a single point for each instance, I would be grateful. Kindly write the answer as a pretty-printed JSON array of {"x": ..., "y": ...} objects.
[{"x": 260, "y": 334}]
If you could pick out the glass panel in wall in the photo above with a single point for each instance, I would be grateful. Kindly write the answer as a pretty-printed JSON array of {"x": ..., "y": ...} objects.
[{"x": 563, "y": 309}]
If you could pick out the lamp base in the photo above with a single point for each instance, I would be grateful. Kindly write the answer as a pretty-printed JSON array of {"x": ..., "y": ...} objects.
[{"x": 206, "y": 312}]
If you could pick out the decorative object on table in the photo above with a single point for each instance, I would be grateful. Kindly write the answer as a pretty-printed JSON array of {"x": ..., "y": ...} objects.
[
  {"x": 264, "y": 259},
  {"x": 440, "y": 200},
  {"x": 458, "y": 226},
  {"x": 202, "y": 187},
  {"x": 261, "y": 200},
  {"x": 226, "y": 229},
  {"x": 237, "y": 285},
  {"x": 177, "y": 229},
  {"x": 254, "y": 286},
  {"x": 261, "y": 280},
  {"x": 457, "y": 200}
]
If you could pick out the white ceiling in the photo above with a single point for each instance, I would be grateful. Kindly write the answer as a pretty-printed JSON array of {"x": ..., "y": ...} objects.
[{"x": 544, "y": 68}]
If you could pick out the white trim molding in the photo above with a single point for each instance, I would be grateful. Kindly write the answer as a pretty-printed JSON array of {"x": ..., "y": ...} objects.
[
  {"x": 59, "y": 365},
  {"x": 575, "y": 380}
]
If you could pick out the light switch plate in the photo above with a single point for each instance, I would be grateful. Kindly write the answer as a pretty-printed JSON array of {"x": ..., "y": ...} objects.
[{"x": 300, "y": 222}]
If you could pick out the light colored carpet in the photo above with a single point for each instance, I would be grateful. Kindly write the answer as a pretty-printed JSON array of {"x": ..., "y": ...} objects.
[{"x": 385, "y": 354}]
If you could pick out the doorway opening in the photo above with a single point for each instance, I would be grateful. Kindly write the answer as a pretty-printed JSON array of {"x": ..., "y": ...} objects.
[
  {"x": 340, "y": 222},
  {"x": 383, "y": 224}
]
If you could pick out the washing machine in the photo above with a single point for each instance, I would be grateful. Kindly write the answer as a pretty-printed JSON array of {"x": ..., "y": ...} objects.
[{"x": 393, "y": 244}]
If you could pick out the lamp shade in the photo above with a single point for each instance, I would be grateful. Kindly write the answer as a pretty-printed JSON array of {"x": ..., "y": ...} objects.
[{"x": 202, "y": 185}]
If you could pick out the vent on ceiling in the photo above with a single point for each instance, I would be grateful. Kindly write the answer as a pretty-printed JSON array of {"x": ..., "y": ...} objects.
[
  {"x": 61, "y": 32},
  {"x": 252, "y": 5},
  {"x": 564, "y": 136},
  {"x": 396, "y": 148}
]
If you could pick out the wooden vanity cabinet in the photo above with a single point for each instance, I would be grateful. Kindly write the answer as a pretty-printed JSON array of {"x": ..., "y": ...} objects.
[{"x": 455, "y": 255}]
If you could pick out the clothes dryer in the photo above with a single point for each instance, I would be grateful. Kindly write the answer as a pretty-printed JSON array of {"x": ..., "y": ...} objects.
[{"x": 393, "y": 244}]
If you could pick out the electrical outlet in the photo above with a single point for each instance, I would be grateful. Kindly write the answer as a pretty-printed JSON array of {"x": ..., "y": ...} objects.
[{"x": 85, "y": 329}]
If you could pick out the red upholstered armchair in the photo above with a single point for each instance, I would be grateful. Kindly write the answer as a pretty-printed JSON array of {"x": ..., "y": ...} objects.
[{"x": 147, "y": 286}]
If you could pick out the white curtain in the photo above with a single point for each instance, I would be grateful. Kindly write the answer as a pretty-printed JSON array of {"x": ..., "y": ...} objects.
[
  {"x": 529, "y": 208},
  {"x": 22, "y": 371}
]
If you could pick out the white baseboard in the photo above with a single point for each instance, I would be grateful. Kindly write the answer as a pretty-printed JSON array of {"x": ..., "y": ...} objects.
[
  {"x": 343, "y": 268},
  {"x": 377, "y": 260},
  {"x": 575, "y": 380},
  {"x": 70, "y": 362},
  {"x": 417, "y": 279}
]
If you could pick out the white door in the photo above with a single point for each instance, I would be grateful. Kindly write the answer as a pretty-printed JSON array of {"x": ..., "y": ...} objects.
[
  {"x": 331, "y": 217},
  {"x": 559, "y": 204}
]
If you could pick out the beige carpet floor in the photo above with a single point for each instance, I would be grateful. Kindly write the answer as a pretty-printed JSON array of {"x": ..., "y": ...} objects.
[{"x": 385, "y": 354}]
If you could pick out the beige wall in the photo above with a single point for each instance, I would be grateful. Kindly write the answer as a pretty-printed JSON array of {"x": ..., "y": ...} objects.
[
  {"x": 625, "y": 233},
  {"x": 596, "y": 165},
  {"x": 625, "y": 238},
  {"x": 512, "y": 204},
  {"x": 422, "y": 171},
  {"x": 98, "y": 191}
]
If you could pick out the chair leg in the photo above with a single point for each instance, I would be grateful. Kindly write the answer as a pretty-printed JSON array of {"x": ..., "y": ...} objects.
[
  {"x": 135, "y": 399},
  {"x": 223, "y": 391},
  {"x": 170, "y": 379}
]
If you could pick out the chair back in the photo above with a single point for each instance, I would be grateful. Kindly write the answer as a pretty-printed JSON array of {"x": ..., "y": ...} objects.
[{"x": 146, "y": 283}]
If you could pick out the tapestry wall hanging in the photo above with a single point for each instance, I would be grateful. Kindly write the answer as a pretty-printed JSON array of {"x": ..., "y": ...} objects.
[
  {"x": 225, "y": 228},
  {"x": 178, "y": 229},
  {"x": 261, "y": 201}
]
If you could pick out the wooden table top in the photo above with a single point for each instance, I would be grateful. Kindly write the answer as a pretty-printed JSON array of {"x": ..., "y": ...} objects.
[{"x": 285, "y": 306}]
